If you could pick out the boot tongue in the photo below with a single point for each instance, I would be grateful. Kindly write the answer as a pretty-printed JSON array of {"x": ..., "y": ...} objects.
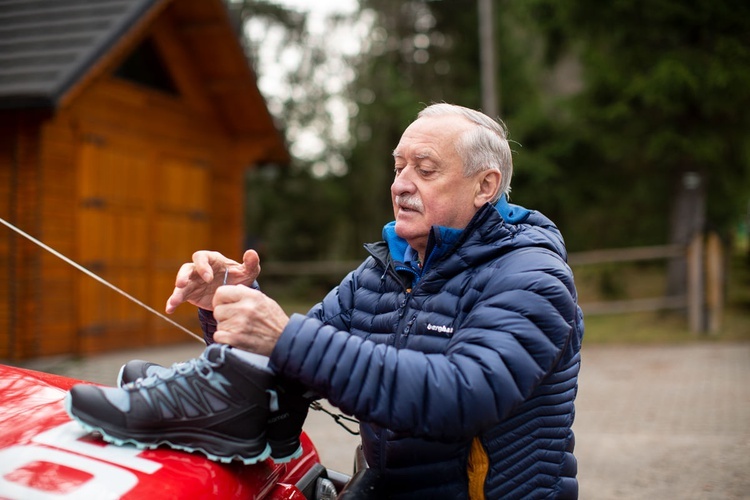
[{"x": 256, "y": 360}]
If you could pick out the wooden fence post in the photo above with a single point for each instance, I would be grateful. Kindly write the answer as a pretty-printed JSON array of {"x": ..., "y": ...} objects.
[
  {"x": 714, "y": 283},
  {"x": 695, "y": 285}
]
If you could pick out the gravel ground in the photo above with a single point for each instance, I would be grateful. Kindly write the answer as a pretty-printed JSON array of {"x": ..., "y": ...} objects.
[
  {"x": 664, "y": 422},
  {"x": 652, "y": 422}
]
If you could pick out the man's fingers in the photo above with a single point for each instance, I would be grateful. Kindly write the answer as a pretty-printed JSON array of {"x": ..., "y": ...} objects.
[
  {"x": 251, "y": 260},
  {"x": 202, "y": 261},
  {"x": 174, "y": 300},
  {"x": 179, "y": 295},
  {"x": 197, "y": 281},
  {"x": 232, "y": 294},
  {"x": 186, "y": 273}
]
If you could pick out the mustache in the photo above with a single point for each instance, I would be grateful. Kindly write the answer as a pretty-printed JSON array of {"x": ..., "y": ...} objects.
[{"x": 411, "y": 202}]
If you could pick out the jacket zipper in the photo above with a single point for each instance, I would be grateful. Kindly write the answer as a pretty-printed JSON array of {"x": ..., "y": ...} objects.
[{"x": 389, "y": 269}]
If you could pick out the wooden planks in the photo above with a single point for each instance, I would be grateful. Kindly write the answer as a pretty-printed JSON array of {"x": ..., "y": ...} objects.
[{"x": 129, "y": 182}]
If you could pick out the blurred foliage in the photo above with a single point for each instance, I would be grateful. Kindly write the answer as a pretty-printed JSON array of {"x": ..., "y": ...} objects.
[
  {"x": 295, "y": 212},
  {"x": 665, "y": 85},
  {"x": 291, "y": 213},
  {"x": 608, "y": 105}
]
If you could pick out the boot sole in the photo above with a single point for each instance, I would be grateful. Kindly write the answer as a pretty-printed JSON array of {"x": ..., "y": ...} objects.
[{"x": 280, "y": 452}]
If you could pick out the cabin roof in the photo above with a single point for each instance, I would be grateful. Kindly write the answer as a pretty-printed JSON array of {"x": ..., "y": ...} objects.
[{"x": 47, "y": 47}]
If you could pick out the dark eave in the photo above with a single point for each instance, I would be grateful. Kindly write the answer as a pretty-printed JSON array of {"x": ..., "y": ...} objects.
[{"x": 46, "y": 46}]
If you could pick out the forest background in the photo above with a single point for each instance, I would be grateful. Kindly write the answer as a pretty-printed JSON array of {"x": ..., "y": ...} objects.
[{"x": 628, "y": 119}]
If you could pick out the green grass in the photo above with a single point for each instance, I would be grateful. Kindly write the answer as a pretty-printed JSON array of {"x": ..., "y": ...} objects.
[
  {"x": 664, "y": 326},
  {"x": 661, "y": 328},
  {"x": 295, "y": 305}
]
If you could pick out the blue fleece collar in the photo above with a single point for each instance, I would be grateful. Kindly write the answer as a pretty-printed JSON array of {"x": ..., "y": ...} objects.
[
  {"x": 400, "y": 249},
  {"x": 396, "y": 244},
  {"x": 511, "y": 214}
]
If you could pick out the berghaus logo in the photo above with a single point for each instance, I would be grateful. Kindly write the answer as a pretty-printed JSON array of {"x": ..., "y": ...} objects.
[{"x": 439, "y": 328}]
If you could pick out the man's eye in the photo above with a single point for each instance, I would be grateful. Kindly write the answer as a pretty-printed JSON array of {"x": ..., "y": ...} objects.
[{"x": 397, "y": 170}]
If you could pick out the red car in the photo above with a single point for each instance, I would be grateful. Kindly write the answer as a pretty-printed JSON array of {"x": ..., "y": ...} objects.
[{"x": 46, "y": 455}]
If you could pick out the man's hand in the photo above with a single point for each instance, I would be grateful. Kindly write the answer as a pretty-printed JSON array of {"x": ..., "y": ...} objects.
[
  {"x": 197, "y": 281},
  {"x": 248, "y": 319}
]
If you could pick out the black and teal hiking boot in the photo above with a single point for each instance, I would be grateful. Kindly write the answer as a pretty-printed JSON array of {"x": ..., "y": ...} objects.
[
  {"x": 217, "y": 404},
  {"x": 286, "y": 417}
]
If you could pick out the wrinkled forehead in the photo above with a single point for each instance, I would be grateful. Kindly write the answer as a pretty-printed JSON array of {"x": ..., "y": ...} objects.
[{"x": 431, "y": 137}]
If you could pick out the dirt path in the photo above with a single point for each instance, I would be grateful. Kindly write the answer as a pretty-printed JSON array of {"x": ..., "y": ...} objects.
[{"x": 666, "y": 422}]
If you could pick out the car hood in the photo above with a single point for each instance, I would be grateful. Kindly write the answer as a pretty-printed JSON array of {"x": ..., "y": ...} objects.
[{"x": 44, "y": 454}]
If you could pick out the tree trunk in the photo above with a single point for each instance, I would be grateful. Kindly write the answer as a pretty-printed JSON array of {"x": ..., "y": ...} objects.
[
  {"x": 488, "y": 59},
  {"x": 688, "y": 218}
]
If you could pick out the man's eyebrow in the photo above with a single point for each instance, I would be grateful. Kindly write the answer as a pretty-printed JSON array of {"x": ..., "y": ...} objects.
[{"x": 418, "y": 156}]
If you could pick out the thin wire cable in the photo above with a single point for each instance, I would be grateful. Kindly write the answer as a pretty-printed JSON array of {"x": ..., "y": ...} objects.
[{"x": 98, "y": 278}]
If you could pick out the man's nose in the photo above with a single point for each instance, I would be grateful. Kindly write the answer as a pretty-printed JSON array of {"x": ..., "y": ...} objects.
[{"x": 403, "y": 183}]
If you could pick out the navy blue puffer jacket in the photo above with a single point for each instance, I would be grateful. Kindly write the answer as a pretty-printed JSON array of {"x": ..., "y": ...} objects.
[{"x": 463, "y": 375}]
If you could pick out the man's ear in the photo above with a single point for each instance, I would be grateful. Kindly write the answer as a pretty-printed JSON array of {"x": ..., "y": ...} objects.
[{"x": 487, "y": 185}]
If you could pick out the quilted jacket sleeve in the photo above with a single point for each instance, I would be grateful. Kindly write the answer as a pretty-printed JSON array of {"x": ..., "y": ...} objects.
[{"x": 521, "y": 314}]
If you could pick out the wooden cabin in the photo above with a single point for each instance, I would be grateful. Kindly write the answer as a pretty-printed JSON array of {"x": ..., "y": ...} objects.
[{"x": 126, "y": 128}]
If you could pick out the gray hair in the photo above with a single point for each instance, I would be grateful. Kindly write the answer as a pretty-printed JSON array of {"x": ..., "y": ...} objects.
[{"x": 482, "y": 148}]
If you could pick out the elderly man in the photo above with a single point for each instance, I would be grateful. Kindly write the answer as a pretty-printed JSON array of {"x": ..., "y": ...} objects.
[{"x": 456, "y": 342}]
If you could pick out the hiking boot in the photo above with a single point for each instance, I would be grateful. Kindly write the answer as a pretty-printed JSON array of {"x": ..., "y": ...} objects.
[
  {"x": 137, "y": 369},
  {"x": 216, "y": 404},
  {"x": 284, "y": 422}
]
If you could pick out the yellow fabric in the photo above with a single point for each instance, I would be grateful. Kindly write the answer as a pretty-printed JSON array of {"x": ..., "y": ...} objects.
[{"x": 479, "y": 464}]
